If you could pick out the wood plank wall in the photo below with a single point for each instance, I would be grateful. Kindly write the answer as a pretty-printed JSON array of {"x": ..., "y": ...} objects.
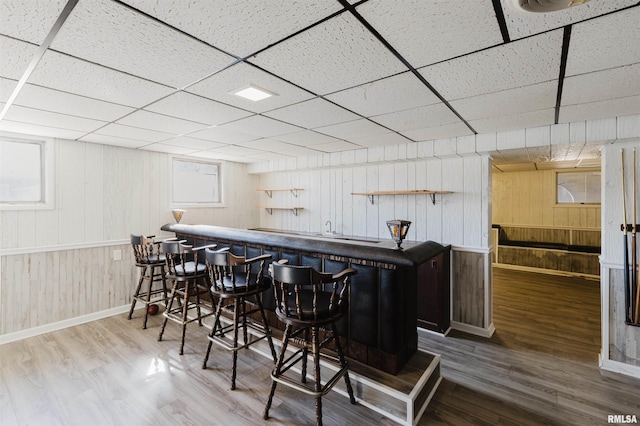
[
  {"x": 460, "y": 219},
  {"x": 528, "y": 198},
  {"x": 102, "y": 195}
]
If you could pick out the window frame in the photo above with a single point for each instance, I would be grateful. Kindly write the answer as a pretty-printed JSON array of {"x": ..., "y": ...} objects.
[
  {"x": 47, "y": 167},
  {"x": 193, "y": 204},
  {"x": 577, "y": 203}
]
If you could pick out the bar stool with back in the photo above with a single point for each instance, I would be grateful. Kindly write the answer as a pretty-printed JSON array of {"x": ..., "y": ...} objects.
[
  {"x": 151, "y": 261},
  {"x": 308, "y": 301},
  {"x": 238, "y": 283},
  {"x": 189, "y": 284}
]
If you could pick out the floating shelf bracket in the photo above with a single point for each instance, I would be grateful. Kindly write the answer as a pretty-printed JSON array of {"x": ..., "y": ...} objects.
[
  {"x": 431, "y": 194},
  {"x": 269, "y": 192},
  {"x": 294, "y": 210}
]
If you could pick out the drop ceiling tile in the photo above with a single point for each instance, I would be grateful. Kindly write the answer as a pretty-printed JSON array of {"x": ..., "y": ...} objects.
[
  {"x": 192, "y": 143},
  {"x": 6, "y": 88},
  {"x": 219, "y": 156},
  {"x": 417, "y": 118},
  {"x": 602, "y": 85},
  {"x": 52, "y": 119},
  {"x": 29, "y": 20},
  {"x": 258, "y": 125},
  {"x": 515, "y": 121},
  {"x": 113, "y": 140},
  {"x": 397, "y": 93},
  {"x": 95, "y": 31},
  {"x": 522, "y": 24},
  {"x": 615, "y": 43},
  {"x": 170, "y": 149},
  {"x": 508, "y": 102},
  {"x": 15, "y": 57},
  {"x": 307, "y": 138},
  {"x": 521, "y": 63},
  {"x": 219, "y": 134},
  {"x": 161, "y": 123},
  {"x": 316, "y": 112},
  {"x": 603, "y": 109},
  {"x": 67, "y": 74},
  {"x": 278, "y": 147},
  {"x": 334, "y": 55},
  {"x": 196, "y": 108},
  {"x": 135, "y": 133},
  {"x": 261, "y": 23},
  {"x": 384, "y": 139},
  {"x": 337, "y": 146},
  {"x": 66, "y": 103},
  {"x": 236, "y": 150},
  {"x": 438, "y": 132},
  {"x": 353, "y": 129},
  {"x": 38, "y": 130},
  {"x": 221, "y": 86},
  {"x": 445, "y": 29}
]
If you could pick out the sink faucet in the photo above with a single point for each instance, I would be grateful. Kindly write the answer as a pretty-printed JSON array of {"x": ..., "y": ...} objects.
[{"x": 329, "y": 223}]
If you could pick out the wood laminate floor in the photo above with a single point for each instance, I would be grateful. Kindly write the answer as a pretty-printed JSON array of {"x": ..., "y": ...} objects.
[{"x": 540, "y": 367}]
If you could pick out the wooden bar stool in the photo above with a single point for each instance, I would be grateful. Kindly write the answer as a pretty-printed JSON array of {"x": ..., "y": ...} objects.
[
  {"x": 189, "y": 284},
  {"x": 308, "y": 301},
  {"x": 151, "y": 261},
  {"x": 238, "y": 283}
]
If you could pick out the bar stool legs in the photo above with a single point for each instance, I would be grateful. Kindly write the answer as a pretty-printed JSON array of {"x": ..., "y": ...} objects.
[{"x": 149, "y": 274}]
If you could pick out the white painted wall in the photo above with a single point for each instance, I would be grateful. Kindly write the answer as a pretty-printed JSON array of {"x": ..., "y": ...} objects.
[
  {"x": 460, "y": 218},
  {"x": 105, "y": 193}
]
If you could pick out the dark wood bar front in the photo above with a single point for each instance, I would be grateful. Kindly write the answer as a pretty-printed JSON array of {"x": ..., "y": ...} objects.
[{"x": 380, "y": 329}]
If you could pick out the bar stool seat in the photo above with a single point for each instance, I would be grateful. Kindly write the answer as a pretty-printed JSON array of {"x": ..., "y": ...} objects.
[
  {"x": 308, "y": 302},
  {"x": 238, "y": 283},
  {"x": 189, "y": 284},
  {"x": 151, "y": 261}
]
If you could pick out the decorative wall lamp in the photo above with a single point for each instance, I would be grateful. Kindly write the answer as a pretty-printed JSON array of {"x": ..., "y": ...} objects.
[
  {"x": 177, "y": 214},
  {"x": 398, "y": 230}
]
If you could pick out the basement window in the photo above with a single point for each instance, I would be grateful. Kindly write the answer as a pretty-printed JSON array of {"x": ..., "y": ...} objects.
[
  {"x": 196, "y": 183},
  {"x": 578, "y": 187},
  {"x": 26, "y": 174}
]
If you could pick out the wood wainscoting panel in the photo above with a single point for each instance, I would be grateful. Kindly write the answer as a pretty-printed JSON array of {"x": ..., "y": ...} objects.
[
  {"x": 47, "y": 287},
  {"x": 469, "y": 287}
]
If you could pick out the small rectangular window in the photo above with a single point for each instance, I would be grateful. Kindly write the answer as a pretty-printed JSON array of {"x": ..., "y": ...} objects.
[
  {"x": 578, "y": 187},
  {"x": 196, "y": 182},
  {"x": 25, "y": 173}
]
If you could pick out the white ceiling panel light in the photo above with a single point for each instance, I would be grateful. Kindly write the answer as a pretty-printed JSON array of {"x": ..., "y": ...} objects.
[{"x": 253, "y": 93}]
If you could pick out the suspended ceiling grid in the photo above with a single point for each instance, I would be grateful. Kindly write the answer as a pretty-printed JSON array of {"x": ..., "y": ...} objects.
[{"x": 159, "y": 75}]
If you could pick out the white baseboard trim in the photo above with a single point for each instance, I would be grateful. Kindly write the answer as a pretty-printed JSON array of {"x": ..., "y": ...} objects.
[
  {"x": 47, "y": 328},
  {"x": 472, "y": 329},
  {"x": 619, "y": 367}
]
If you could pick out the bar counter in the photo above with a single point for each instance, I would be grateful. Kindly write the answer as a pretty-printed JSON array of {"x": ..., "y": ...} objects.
[{"x": 380, "y": 329}]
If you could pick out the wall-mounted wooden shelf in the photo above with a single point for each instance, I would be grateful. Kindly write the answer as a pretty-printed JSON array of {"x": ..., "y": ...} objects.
[
  {"x": 270, "y": 209},
  {"x": 431, "y": 193},
  {"x": 270, "y": 192}
]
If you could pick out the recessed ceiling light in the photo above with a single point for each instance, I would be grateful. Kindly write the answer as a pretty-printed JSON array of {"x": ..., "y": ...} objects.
[{"x": 253, "y": 93}]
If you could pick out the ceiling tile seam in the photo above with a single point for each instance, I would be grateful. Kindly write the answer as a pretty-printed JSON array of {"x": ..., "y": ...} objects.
[
  {"x": 320, "y": 97},
  {"x": 53, "y": 32},
  {"x": 173, "y": 28},
  {"x": 404, "y": 61},
  {"x": 502, "y": 22},
  {"x": 566, "y": 40}
]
